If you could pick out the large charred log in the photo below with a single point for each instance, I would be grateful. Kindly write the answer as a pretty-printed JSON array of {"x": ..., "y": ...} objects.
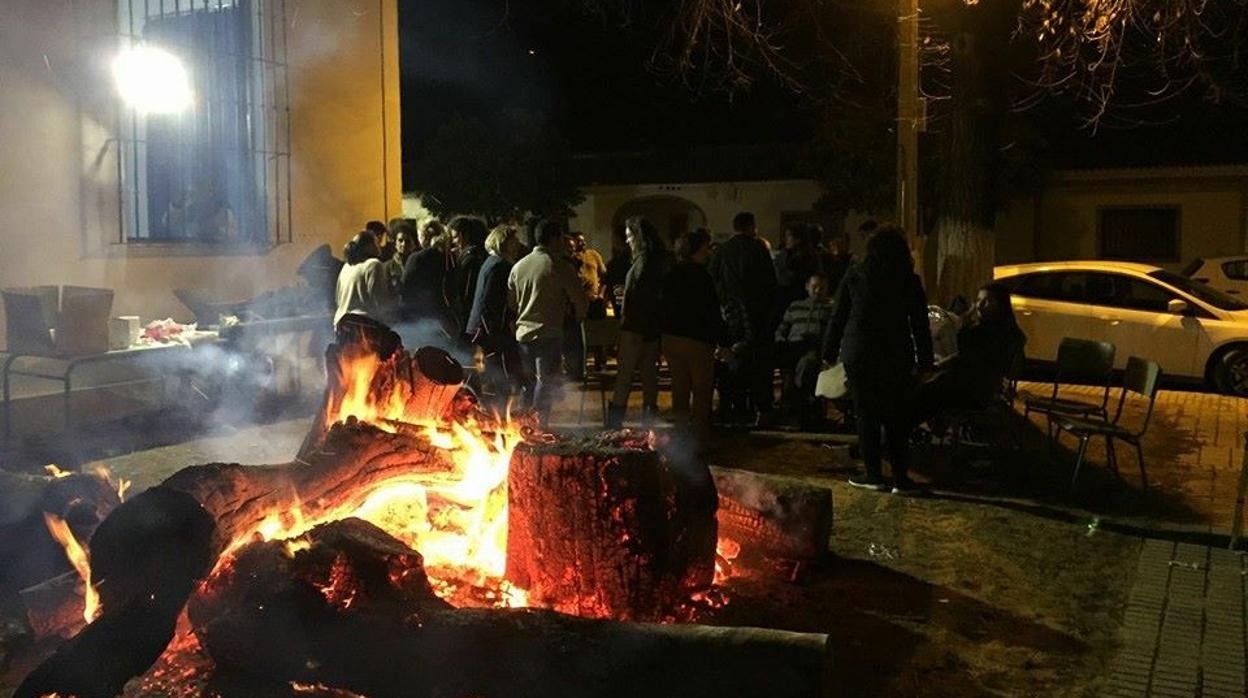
[
  {"x": 29, "y": 555},
  {"x": 607, "y": 527},
  {"x": 150, "y": 552},
  {"x": 148, "y": 555},
  {"x": 351, "y": 608}
]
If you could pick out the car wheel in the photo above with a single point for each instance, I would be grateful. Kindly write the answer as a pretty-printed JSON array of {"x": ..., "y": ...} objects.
[{"x": 1231, "y": 376}]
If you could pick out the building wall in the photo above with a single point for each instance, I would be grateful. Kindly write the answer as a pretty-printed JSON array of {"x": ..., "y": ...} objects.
[
  {"x": 59, "y": 190},
  {"x": 1062, "y": 222},
  {"x": 719, "y": 201}
]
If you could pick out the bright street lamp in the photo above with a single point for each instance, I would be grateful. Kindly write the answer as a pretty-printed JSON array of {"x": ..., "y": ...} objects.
[{"x": 152, "y": 80}]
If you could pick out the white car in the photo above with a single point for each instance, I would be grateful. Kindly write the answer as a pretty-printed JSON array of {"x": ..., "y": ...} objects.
[
  {"x": 1227, "y": 274},
  {"x": 1192, "y": 330}
]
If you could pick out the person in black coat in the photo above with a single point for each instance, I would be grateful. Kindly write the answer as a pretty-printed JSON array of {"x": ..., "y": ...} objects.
[
  {"x": 743, "y": 272},
  {"x": 880, "y": 331},
  {"x": 468, "y": 235},
  {"x": 492, "y": 321},
  {"x": 427, "y": 279},
  {"x": 692, "y": 329},
  {"x": 990, "y": 342}
]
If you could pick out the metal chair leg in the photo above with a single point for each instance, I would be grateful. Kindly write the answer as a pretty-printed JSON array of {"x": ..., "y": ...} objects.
[
  {"x": 1083, "y": 451},
  {"x": 1111, "y": 456},
  {"x": 1139, "y": 457}
]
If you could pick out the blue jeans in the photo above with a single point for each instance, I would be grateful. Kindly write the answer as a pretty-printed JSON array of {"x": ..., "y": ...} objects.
[{"x": 542, "y": 359}]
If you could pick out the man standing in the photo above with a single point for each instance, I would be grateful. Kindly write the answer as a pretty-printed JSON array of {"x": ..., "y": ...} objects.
[
  {"x": 543, "y": 288},
  {"x": 404, "y": 235},
  {"x": 468, "y": 238},
  {"x": 743, "y": 272}
]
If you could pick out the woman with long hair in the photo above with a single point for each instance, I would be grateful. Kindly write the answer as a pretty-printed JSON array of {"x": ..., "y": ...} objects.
[
  {"x": 640, "y": 323},
  {"x": 880, "y": 331},
  {"x": 990, "y": 342}
]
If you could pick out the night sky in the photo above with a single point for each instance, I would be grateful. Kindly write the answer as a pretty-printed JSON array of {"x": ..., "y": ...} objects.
[{"x": 589, "y": 75}]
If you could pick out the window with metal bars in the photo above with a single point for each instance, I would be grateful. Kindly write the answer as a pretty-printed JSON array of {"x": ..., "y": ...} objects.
[{"x": 217, "y": 172}]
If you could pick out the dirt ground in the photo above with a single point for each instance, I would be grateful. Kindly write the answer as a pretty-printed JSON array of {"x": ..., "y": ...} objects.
[{"x": 937, "y": 596}]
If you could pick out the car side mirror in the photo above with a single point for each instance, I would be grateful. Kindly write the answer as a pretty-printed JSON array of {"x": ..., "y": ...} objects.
[{"x": 1178, "y": 307}]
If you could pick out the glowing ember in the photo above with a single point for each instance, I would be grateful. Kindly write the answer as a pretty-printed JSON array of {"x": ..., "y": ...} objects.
[
  {"x": 456, "y": 521},
  {"x": 56, "y": 472},
  {"x": 726, "y": 551},
  {"x": 78, "y": 558}
]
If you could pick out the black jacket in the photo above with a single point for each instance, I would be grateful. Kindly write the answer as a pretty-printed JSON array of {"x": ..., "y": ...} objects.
[
  {"x": 690, "y": 306},
  {"x": 643, "y": 294},
  {"x": 491, "y": 320},
  {"x": 984, "y": 358},
  {"x": 464, "y": 287},
  {"x": 886, "y": 332},
  {"x": 426, "y": 276},
  {"x": 742, "y": 269}
]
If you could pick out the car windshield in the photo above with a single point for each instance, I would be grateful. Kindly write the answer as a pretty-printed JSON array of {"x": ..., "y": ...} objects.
[{"x": 1212, "y": 296}]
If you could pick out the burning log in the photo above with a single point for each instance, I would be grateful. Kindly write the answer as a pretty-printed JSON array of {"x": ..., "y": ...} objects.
[
  {"x": 609, "y": 528},
  {"x": 781, "y": 517},
  {"x": 351, "y": 607},
  {"x": 409, "y": 387},
  {"x": 29, "y": 554},
  {"x": 151, "y": 551},
  {"x": 55, "y": 607}
]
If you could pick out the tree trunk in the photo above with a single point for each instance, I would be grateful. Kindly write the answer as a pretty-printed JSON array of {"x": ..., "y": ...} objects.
[
  {"x": 605, "y": 528},
  {"x": 970, "y": 188}
]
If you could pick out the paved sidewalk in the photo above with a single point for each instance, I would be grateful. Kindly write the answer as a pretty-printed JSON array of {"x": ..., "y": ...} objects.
[
  {"x": 1194, "y": 448},
  {"x": 1183, "y": 632}
]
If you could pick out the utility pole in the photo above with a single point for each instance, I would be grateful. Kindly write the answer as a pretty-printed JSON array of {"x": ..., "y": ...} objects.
[{"x": 909, "y": 119}]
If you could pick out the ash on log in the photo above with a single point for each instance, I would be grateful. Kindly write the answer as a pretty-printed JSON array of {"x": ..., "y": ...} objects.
[
  {"x": 607, "y": 527},
  {"x": 353, "y": 610},
  {"x": 773, "y": 515}
]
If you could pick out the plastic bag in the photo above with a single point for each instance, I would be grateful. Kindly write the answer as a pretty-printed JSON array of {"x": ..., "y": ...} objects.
[{"x": 831, "y": 383}]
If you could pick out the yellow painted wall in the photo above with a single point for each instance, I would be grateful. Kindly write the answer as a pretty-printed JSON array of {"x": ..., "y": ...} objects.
[
  {"x": 1062, "y": 223},
  {"x": 59, "y": 193}
]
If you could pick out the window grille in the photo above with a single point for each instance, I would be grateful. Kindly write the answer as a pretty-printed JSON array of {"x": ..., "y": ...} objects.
[
  {"x": 1146, "y": 234},
  {"x": 219, "y": 172}
]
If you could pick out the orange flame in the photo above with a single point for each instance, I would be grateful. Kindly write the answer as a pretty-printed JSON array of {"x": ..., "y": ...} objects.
[
  {"x": 726, "y": 552},
  {"x": 456, "y": 521},
  {"x": 78, "y": 558},
  {"x": 56, "y": 472},
  {"x": 120, "y": 484}
]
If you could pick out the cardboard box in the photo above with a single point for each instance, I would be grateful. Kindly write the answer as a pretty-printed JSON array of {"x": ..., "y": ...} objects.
[{"x": 47, "y": 321}]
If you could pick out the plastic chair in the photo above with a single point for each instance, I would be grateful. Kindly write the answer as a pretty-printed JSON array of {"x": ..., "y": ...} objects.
[
  {"x": 1080, "y": 361},
  {"x": 1141, "y": 377},
  {"x": 601, "y": 333}
]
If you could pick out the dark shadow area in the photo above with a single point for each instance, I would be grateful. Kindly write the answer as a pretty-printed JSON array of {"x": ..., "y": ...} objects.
[{"x": 873, "y": 615}]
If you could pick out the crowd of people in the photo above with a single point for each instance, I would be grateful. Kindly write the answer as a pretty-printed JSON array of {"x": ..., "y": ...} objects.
[{"x": 723, "y": 317}]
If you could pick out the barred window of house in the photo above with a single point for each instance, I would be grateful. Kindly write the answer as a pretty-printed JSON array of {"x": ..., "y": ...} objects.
[
  {"x": 1143, "y": 234},
  {"x": 217, "y": 172}
]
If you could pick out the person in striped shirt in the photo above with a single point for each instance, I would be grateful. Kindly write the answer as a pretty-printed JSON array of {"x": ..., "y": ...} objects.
[{"x": 797, "y": 346}]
